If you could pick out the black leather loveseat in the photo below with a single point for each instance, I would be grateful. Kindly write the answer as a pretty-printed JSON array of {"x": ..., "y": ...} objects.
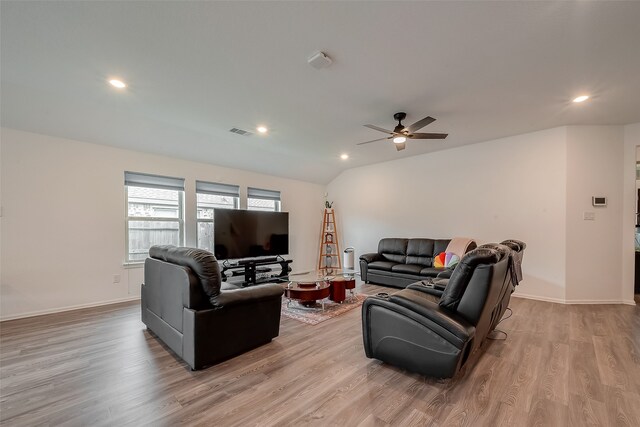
[
  {"x": 400, "y": 262},
  {"x": 434, "y": 332},
  {"x": 186, "y": 305}
]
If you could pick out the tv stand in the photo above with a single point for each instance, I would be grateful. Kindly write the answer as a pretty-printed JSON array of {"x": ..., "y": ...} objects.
[
  {"x": 252, "y": 266},
  {"x": 271, "y": 259}
]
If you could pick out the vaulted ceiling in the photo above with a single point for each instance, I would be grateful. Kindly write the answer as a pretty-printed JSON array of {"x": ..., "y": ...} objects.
[{"x": 197, "y": 69}]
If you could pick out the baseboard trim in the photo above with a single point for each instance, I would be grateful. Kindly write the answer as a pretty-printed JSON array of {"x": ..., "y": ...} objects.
[
  {"x": 600, "y": 302},
  {"x": 575, "y": 301},
  {"x": 539, "y": 298},
  {"x": 134, "y": 298},
  {"x": 69, "y": 308}
]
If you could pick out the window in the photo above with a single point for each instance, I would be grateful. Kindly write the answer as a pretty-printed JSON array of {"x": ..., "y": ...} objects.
[
  {"x": 154, "y": 213},
  {"x": 210, "y": 195},
  {"x": 263, "y": 200}
]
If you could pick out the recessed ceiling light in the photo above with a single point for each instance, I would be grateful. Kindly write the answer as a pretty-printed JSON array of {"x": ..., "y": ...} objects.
[
  {"x": 262, "y": 129},
  {"x": 344, "y": 156},
  {"x": 399, "y": 139},
  {"x": 581, "y": 98},
  {"x": 117, "y": 83}
]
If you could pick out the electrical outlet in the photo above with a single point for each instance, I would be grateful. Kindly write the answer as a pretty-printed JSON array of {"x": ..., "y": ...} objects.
[
  {"x": 589, "y": 216},
  {"x": 116, "y": 278}
]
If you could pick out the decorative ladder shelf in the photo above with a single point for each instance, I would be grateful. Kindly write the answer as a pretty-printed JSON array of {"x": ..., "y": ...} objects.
[{"x": 329, "y": 257}]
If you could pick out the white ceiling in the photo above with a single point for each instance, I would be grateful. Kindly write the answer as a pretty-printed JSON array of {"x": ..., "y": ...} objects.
[{"x": 197, "y": 69}]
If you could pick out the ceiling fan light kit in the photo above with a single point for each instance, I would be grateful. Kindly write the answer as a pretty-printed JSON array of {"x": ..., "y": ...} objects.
[{"x": 400, "y": 133}]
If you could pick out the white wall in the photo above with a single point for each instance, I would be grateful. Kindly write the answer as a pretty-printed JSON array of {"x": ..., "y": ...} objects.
[
  {"x": 1, "y": 221},
  {"x": 63, "y": 225},
  {"x": 532, "y": 187},
  {"x": 594, "y": 168},
  {"x": 509, "y": 188}
]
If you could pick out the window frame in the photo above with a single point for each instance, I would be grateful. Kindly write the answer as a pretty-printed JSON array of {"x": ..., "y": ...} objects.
[
  {"x": 236, "y": 205},
  {"x": 277, "y": 204},
  {"x": 128, "y": 219}
]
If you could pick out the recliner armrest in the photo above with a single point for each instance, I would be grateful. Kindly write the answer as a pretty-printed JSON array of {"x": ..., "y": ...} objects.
[
  {"x": 418, "y": 302},
  {"x": 247, "y": 295},
  {"x": 426, "y": 287},
  {"x": 445, "y": 274},
  {"x": 371, "y": 257}
]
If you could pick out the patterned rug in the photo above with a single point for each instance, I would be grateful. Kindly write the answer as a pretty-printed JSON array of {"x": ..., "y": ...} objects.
[{"x": 315, "y": 315}]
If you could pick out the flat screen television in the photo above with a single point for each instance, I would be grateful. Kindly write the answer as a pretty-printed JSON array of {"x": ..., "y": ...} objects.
[{"x": 248, "y": 234}]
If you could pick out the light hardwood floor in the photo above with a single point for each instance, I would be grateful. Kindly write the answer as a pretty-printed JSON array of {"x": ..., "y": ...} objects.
[{"x": 560, "y": 365}]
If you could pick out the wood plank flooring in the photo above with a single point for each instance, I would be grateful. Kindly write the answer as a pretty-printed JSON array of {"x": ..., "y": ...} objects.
[{"x": 559, "y": 365}]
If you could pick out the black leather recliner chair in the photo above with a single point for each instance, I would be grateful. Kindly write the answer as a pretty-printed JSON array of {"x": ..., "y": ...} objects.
[
  {"x": 435, "y": 286},
  {"x": 186, "y": 306},
  {"x": 433, "y": 332},
  {"x": 517, "y": 247}
]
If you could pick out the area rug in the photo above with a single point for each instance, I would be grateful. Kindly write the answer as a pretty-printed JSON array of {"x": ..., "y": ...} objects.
[{"x": 313, "y": 316}]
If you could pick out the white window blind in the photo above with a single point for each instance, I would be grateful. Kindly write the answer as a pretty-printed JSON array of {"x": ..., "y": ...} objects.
[
  {"x": 153, "y": 181},
  {"x": 217, "y": 189},
  {"x": 258, "y": 193}
]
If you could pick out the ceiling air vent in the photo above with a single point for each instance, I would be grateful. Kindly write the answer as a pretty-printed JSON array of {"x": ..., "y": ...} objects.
[{"x": 240, "y": 132}]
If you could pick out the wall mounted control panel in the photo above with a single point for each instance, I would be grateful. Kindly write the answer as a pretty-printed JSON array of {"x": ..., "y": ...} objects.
[{"x": 599, "y": 201}]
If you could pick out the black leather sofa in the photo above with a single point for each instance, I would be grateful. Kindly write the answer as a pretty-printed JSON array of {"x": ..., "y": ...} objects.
[
  {"x": 433, "y": 332},
  {"x": 185, "y": 304},
  {"x": 401, "y": 262}
]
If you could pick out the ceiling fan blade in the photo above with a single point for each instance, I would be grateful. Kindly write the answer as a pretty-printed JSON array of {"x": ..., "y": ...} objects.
[
  {"x": 420, "y": 124},
  {"x": 379, "y": 129},
  {"x": 428, "y": 136},
  {"x": 374, "y": 140},
  {"x": 399, "y": 147}
]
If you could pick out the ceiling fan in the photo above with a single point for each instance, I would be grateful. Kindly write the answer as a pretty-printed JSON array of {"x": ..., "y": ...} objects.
[{"x": 400, "y": 133}]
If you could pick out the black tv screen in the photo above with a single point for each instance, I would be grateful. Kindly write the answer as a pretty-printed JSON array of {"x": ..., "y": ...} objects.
[{"x": 247, "y": 234}]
